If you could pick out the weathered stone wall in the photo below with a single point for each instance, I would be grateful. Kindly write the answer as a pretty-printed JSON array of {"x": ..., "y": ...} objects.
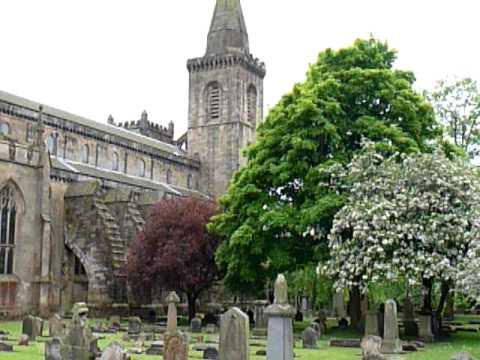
[
  {"x": 220, "y": 142},
  {"x": 21, "y": 172},
  {"x": 72, "y": 140}
]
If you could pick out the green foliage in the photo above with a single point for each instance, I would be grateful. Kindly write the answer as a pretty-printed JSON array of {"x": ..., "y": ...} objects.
[
  {"x": 275, "y": 216},
  {"x": 457, "y": 104}
]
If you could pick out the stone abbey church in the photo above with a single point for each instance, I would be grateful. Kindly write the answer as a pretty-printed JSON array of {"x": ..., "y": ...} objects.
[{"x": 75, "y": 192}]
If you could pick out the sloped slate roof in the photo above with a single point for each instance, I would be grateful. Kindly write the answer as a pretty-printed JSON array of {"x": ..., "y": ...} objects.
[{"x": 107, "y": 128}]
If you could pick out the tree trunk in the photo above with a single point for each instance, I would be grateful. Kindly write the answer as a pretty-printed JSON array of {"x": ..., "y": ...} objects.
[
  {"x": 355, "y": 309},
  {"x": 427, "y": 296},
  {"x": 437, "y": 326},
  {"x": 192, "y": 306}
]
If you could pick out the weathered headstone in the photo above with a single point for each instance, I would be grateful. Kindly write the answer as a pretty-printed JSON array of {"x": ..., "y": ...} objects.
[
  {"x": 4, "y": 347},
  {"x": 196, "y": 325},
  {"x": 55, "y": 326},
  {"x": 371, "y": 348},
  {"x": 29, "y": 327},
  {"x": 114, "y": 351},
  {"x": 425, "y": 328},
  {"x": 23, "y": 341},
  {"x": 391, "y": 341},
  {"x": 409, "y": 323},
  {"x": 345, "y": 343},
  {"x": 343, "y": 324},
  {"x": 53, "y": 349},
  {"x": 261, "y": 321},
  {"x": 156, "y": 348},
  {"x": 114, "y": 321},
  {"x": 299, "y": 316},
  {"x": 39, "y": 326},
  {"x": 134, "y": 325},
  {"x": 176, "y": 343},
  {"x": 210, "y": 353},
  {"x": 79, "y": 342},
  {"x": 310, "y": 338},
  {"x": 316, "y": 326},
  {"x": 234, "y": 335},
  {"x": 280, "y": 323},
  {"x": 371, "y": 323}
]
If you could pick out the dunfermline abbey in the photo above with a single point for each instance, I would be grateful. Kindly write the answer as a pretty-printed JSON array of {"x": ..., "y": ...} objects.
[{"x": 74, "y": 192}]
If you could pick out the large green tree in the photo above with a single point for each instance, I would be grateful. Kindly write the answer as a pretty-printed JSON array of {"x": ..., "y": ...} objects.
[{"x": 275, "y": 216}]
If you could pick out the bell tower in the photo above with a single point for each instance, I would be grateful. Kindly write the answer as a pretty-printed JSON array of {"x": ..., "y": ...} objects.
[{"x": 225, "y": 98}]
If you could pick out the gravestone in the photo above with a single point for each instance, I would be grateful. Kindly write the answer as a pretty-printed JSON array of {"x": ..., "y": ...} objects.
[
  {"x": 156, "y": 348},
  {"x": 114, "y": 351},
  {"x": 55, "y": 326},
  {"x": 115, "y": 321},
  {"x": 409, "y": 323},
  {"x": 196, "y": 325},
  {"x": 280, "y": 323},
  {"x": 425, "y": 328},
  {"x": 371, "y": 323},
  {"x": 299, "y": 316},
  {"x": 316, "y": 326},
  {"x": 4, "y": 347},
  {"x": 79, "y": 342},
  {"x": 234, "y": 335},
  {"x": 39, "y": 326},
  {"x": 134, "y": 325},
  {"x": 371, "y": 348},
  {"x": 176, "y": 343},
  {"x": 310, "y": 338},
  {"x": 29, "y": 327},
  {"x": 260, "y": 318},
  {"x": 53, "y": 349},
  {"x": 23, "y": 341},
  {"x": 210, "y": 353},
  {"x": 343, "y": 324},
  {"x": 391, "y": 341}
]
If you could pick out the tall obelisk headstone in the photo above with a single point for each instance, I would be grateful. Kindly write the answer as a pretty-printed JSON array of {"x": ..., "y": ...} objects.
[
  {"x": 280, "y": 324},
  {"x": 391, "y": 340},
  {"x": 176, "y": 343}
]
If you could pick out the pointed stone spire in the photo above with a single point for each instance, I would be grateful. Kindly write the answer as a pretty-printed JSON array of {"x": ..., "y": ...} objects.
[{"x": 228, "y": 33}]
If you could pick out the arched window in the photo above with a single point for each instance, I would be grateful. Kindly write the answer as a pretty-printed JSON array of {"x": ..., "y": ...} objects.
[
  {"x": 85, "y": 154},
  {"x": 52, "y": 144},
  {"x": 142, "y": 168},
  {"x": 169, "y": 176},
  {"x": 252, "y": 104},
  {"x": 115, "y": 162},
  {"x": 213, "y": 101},
  {"x": 190, "y": 181},
  {"x": 8, "y": 218},
  {"x": 4, "y": 129}
]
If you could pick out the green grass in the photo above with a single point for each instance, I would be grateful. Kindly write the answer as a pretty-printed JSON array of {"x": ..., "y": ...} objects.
[{"x": 469, "y": 342}]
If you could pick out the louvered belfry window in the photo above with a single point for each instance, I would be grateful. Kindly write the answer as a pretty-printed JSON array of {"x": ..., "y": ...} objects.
[
  {"x": 213, "y": 101},
  {"x": 8, "y": 218}
]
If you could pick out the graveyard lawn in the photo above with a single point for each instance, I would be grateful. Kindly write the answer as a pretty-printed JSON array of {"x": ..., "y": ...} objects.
[{"x": 460, "y": 342}]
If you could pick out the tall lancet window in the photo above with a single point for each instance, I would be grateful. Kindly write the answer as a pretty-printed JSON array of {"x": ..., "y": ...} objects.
[
  {"x": 252, "y": 104},
  {"x": 214, "y": 95},
  {"x": 8, "y": 218}
]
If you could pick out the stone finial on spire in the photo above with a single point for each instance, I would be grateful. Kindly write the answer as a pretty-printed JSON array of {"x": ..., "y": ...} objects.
[{"x": 228, "y": 32}]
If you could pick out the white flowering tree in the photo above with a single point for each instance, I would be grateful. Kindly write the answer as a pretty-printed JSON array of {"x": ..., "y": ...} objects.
[{"x": 409, "y": 217}]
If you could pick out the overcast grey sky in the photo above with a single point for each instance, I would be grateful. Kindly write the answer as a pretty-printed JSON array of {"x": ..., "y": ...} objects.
[{"x": 96, "y": 57}]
